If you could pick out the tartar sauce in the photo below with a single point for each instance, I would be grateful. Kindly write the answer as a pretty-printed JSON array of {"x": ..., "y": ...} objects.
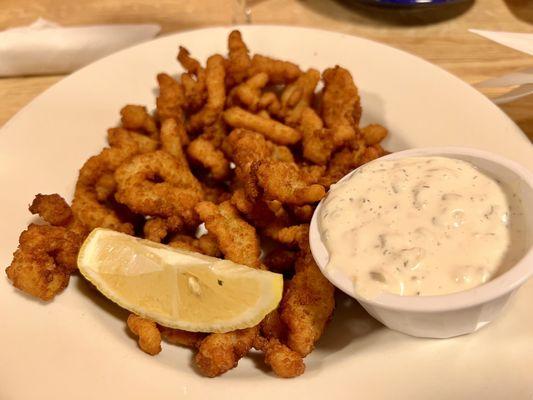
[{"x": 416, "y": 226}]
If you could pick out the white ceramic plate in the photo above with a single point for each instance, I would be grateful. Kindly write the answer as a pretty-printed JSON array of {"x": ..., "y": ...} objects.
[{"x": 77, "y": 347}]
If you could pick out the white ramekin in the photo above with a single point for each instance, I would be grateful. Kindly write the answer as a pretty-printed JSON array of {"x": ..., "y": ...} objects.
[{"x": 457, "y": 313}]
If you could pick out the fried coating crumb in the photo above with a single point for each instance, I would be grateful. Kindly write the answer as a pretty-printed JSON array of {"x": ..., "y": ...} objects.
[
  {"x": 220, "y": 352},
  {"x": 149, "y": 336}
]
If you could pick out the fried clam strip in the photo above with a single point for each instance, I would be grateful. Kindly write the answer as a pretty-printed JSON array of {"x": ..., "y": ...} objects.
[
  {"x": 93, "y": 200},
  {"x": 298, "y": 96},
  {"x": 171, "y": 99},
  {"x": 373, "y": 134},
  {"x": 181, "y": 338},
  {"x": 348, "y": 158},
  {"x": 205, "y": 244},
  {"x": 317, "y": 143},
  {"x": 239, "y": 59},
  {"x": 285, "y": 362},
  {"x": 121, "y": 137},
  {"x": 248, "y": 94},
  {"x": 279, "y": 72},
  {"x": 238, "y": 241},
  {"x": 286, "y": 182},
  {"x": 294, "y": 236},
  {"x": 47, "y": 254},
  {"x": 280, "y": 260},
  {"x": 193, "y": 81},
  {"x": 259, "y": 212},
  {"x": 341, "y": 107},
  {"x": 205, "y": 151},
  {"x": 157, "y": 229},
  {"x": 307, "y": 304},
  {"x": 136, "y": 118},
  {"x": 156, "y": 184},
  {"x": 172, "y": 138},
  {"x": 245, "y": 147},
  {"x": 216, "y": 94},
  {"x": 273, "y": 130},
  {"x": 220, "y": 352},
  {"x": 148, "y": 333}
]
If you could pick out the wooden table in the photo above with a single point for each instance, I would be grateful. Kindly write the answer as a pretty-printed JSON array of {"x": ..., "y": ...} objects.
[{"x": 440, "y": 36}]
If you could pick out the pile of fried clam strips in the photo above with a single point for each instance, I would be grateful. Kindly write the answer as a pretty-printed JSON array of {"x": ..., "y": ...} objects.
[{"x": 246, "y": 145}]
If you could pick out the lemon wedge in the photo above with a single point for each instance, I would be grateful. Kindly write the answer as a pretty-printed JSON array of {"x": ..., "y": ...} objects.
[{"x": 177, "y": 288}]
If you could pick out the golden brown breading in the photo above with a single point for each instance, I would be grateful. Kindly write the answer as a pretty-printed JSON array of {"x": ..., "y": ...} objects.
[
  {"x": 317, "y": 143},
  {"x": 156, "y": 184},
  {"x": 298, "y": 96},
  {"x": 181, "y": 338},
  {"x": 88, "y": 206},
  {"x": 248, "y": 94},
  {"x": 146, "y": 330},
  {"x": 296, "y": 235},
  {"x": 193, "y": 81},
  {"x": 237, "y": 239},
  {"x": 171, "y": 99},
  {"x": 173, "y": 138},
  {"x": 285, "y": 182},
  {"x": 373, "y": 134},
  {"x": 271, "y": 129},
  {"x": 52, "y": 208},
  {"x": 220, "y": 352},
  {"x": 189, "y": 63},
  {"x": 273, "y": 327},
  {"x": 280, "y": 260},
  {"x": 216, "y": 94},
  {"x": 307, "y": 304},
  {"x": 239, "y": 60},
  {"x": 157, "y": 229},
  {"x": 285, "y": 362},
  {"x": 45, "y": 259},
  {"x": 205, "y": 153},
  {"x": 120, "y": 137},
  {"x": 136, "y": 118},
  {"x": 279, "y": 72},
  {"x": 206, "y": 244},
  {"x": 341, "y": 107},
  {"x": 344, "y": 161}
]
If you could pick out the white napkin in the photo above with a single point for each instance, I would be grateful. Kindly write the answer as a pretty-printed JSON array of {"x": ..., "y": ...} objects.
[
  {"x": 523, "y": 80},
  {"x": 47, "y": 48}
]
